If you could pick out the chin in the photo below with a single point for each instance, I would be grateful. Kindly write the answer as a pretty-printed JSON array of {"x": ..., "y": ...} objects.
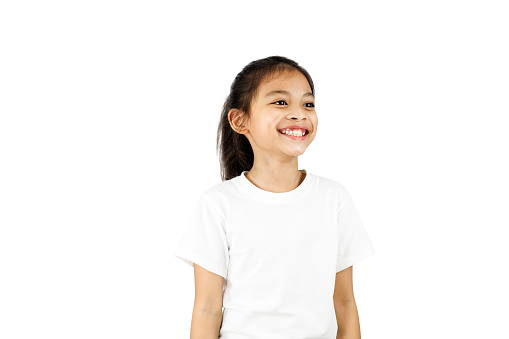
[{"x": 296, "y": 152}]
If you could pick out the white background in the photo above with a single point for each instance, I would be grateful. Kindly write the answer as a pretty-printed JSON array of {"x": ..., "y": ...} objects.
[{"x": 109, "y": 111}]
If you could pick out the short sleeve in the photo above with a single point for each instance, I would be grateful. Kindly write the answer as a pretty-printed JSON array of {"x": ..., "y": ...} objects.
[
  {"x": 353, "y": 241},
  {"x": 204, "y": 241}
]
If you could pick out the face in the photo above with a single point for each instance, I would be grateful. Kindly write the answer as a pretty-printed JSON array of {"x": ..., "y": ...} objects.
[{"x": 273, "y": 111}]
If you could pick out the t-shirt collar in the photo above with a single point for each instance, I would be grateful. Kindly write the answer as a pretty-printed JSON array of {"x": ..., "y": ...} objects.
[{"x": 267, "y": 196}]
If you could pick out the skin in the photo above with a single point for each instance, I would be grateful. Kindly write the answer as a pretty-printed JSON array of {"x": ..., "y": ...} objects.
[
  {"x": 208, "y": 303},
  {"x": 345, "y": 306}
]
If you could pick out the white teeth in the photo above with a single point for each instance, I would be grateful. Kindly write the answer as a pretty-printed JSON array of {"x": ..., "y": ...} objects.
[{"x": 295, "y": 132}]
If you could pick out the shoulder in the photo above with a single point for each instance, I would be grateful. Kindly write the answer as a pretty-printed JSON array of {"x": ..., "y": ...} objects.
[
  {"x": 221, "y": 191},
  {"x": 219, "y": 196},
  {"x": 331, "y": 187}
]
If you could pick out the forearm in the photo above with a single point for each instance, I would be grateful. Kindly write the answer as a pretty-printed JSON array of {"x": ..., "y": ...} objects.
[
  {"x": 206, "y": 324},
  {"x": 348, "y": 320}
]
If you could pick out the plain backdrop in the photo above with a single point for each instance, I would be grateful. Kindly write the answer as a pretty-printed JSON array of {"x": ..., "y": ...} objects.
[{"x": 109, "y": 111}]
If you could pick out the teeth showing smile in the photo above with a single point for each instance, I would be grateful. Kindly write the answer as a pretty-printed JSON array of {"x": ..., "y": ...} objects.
[{"x": 294, "y": 132}]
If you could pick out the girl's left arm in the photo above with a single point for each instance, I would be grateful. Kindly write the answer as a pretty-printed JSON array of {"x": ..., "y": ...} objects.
[{"x": 344, "y": 304}]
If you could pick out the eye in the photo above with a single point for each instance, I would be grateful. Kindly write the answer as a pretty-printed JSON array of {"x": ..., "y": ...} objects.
[{"x": 312, "y": 104}]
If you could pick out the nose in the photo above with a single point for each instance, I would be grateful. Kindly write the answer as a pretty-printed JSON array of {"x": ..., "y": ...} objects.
[{"x": 299, "y": 114}]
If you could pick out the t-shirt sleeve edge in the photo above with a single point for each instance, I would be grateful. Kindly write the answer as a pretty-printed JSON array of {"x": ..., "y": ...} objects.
[
  {"x": 193, "y": 259},
  {"x": 355, "y": 258}
]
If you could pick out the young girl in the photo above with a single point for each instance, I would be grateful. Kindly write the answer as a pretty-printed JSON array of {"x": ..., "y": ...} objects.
[{"x": 273, "y": 245}]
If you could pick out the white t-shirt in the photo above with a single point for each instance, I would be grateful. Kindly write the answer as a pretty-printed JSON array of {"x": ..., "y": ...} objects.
[{"x": 278, "y": 252}]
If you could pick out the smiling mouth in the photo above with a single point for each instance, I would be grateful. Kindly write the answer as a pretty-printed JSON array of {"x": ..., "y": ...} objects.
[
  {"x": 292, "y": 133},
  {"x": 297, "y": 137}
]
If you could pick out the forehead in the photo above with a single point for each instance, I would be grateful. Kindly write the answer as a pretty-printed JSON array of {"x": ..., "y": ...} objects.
[{"x": 289, "y": 80}]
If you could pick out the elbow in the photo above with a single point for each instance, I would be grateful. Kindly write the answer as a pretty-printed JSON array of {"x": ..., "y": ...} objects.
[
  {"x": 344, "y": 302},
  {"x": 208, "y": 311}
]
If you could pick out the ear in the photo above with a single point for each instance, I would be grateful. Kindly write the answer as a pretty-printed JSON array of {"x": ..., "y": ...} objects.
[{"x": 236, "y": 118}]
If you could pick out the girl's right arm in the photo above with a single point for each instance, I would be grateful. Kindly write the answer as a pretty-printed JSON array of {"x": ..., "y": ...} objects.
[{"x": 208, "y": 304}]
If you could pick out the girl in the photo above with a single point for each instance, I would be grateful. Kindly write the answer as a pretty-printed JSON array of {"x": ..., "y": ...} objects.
[{"x": 273, "y": 245}]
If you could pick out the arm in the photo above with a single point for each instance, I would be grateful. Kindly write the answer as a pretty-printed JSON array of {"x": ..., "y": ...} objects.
[
  {"x": 345, "y": 306},
  {"x": 208, "y": 304}
]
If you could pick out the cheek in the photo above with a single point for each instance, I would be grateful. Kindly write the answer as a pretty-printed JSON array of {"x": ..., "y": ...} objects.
[{"x": 269, "y": 128}]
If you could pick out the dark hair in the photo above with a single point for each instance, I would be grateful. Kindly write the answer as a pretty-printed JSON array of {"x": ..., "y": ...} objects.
[{"x": 236, "y": 153}]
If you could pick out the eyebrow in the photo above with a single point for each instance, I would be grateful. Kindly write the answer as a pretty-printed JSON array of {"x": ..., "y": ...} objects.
[{"x": 287, "y": 93}]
